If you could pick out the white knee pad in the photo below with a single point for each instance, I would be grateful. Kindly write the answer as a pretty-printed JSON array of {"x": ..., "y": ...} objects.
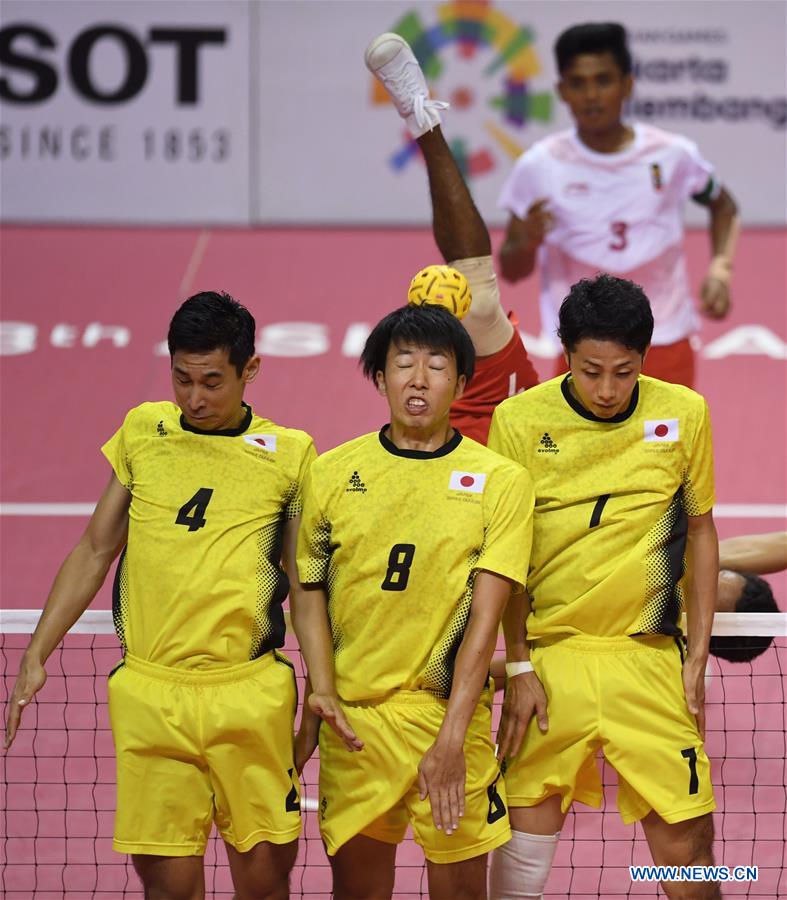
[
  {"x": 486, "y": 322},
  {"x": 521, "y": 867}
]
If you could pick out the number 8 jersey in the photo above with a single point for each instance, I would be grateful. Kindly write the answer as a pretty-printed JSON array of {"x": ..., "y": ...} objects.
[
  {"x": 200, "y": 583},
  {"x": 396, "y": 537},
  {"x": 612, "y": 500}
]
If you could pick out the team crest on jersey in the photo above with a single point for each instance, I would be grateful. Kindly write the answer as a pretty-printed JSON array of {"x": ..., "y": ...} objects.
[
  {"x": 265, "y": 441},
  {"x": 655, "y": 176},
  {"x": 576, "y": 189},
  {"x": 470, "y": 482},
  {"x": 663, "y": 430}
]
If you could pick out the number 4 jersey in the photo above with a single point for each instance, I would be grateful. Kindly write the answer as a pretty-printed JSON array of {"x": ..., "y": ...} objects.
[
  {"x": 200, "y": 583},
  {"x": 396, "y": 537},
  {"x": 615, "y": 212},
  {"x": 612, "y": 500}
]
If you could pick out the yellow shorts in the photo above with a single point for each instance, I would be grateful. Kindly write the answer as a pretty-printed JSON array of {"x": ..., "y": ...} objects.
[
  {"x": 623, "y": 696},
  {"x": 375, "y": 792},
  {"x": 194, "y": 747}
]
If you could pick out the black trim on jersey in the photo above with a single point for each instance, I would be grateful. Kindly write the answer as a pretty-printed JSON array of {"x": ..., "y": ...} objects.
[
  {"x": 587, "y": 414},
  {"x": 117, "y": 605},
  {"x": 675, "y": 553},
  {"x": 281, "y": 588},
  {"x": 705, "y": 196},
  {"x": 227, "y": 432},
  {"x": 447, "y": 448}
]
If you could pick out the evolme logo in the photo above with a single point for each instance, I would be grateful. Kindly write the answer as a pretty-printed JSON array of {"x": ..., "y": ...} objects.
[{"x": 26, "y": 52}]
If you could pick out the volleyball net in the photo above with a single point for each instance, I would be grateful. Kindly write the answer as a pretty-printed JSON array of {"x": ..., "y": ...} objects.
[{"x": 58, "y": 783}]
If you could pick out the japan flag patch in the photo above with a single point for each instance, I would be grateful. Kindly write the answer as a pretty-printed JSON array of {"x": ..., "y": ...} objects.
[
  {"x": 472, "y": 482},
  {"x": 665, "y": 430},
  {"x": 266, "y": 441}
]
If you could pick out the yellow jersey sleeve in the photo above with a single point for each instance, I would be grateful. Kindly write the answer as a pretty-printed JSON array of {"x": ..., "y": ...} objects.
[
  {"x": 115, "y": 452},
  {"x": 294, "y": 504},
  {"x": 698, "y": 490},
  {"x": 501, "y": 439},
  {"x": 509, "y": 531},
  {"x": 314, "y": 537}
]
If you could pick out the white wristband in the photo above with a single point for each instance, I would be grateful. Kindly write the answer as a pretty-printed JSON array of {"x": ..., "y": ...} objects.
[{"x": 517, "y": 668}]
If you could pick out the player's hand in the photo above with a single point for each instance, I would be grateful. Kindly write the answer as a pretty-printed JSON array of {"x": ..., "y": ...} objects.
[
  {"x": 441, "y": 778},
  {"x": 328, "y": 708},
  {"x": 306, "y": 741},
  {"x": 524, "y": 698},
  {"x": 694, "y": 688},
  {"x": 538, "y": 221},
  {"x": 29, "y": 681},
  {"x": 714, "y": 298}
]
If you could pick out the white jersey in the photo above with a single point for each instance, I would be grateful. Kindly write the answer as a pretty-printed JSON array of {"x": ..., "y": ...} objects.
[{"x": 620, "y": 213}]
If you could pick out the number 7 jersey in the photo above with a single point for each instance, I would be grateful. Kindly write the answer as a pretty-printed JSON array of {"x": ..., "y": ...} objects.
[
  {"x": 396, "y": 537},
  {"x": 200, "y": 583},
  {"x": 612, "y": 500}
]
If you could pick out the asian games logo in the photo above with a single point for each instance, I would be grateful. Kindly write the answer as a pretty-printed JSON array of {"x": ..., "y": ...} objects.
[{"x": 475, "y": 56}]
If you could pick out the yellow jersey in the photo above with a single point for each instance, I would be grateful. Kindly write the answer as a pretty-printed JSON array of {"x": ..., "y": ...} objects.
[
  {"x": 397, "y": 537},
  {"x": 612, "y": 500},
  {"x": 200, "y": 583}
]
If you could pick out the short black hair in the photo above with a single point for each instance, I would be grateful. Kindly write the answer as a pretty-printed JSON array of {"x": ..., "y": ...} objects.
[
  {"x": 593, "y": 37},
  {"x": 756, "y": 597},
  {"x": 213, "y": 321},
  {"x": 425, "y": 326},
  {"x": 606, "y": 308}
]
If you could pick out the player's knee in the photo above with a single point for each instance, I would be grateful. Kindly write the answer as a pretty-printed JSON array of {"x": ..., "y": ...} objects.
[
  {"x": 170, "y": 878},
  {"x": 359, "y": 883},
  {"x": 688, "y": 843},
  {"x": 521, "y": 867},
  {"x": 263, "y": 873},
  {"x": 464, "y": 880},
  {"x": 699, "y": 841}
]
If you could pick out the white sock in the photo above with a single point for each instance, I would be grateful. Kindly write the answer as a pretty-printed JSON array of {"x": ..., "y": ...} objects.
[
  {"x": 521, "y": 867},
  {"x": 486, "y": 322}
]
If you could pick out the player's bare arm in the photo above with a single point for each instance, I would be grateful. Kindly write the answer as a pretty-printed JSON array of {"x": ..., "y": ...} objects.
[
  {"x": 309, "y": 611},
  {"x": 309, "y": 729},
  {"x": 702, "y": 554},
  {"x": 723, "y": 228},
  {"x": 522, "y": 240},
  {"x": 75, "y": 585},
  {"x": 524, "y": 693},
  {"x": 754, "y": 554},
  {"x": 441, "y": 773}
]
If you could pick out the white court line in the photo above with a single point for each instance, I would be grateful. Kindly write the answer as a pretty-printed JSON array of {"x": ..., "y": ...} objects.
[
  {"x": 200, "y": 245},
  {"x": 720, "y": 511},
  {"x": 47, "y": 509},
  {"x": 750, "y": 511}
]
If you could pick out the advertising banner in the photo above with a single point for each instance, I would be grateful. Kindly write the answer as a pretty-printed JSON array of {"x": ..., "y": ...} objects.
[
  {"x": 262, "y": 111},
  {"x": 333, "y": 149},
  {"x": 124, "y": 112}
]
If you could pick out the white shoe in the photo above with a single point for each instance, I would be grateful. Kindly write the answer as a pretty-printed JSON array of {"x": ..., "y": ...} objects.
[{"x": 390, "y": 59}]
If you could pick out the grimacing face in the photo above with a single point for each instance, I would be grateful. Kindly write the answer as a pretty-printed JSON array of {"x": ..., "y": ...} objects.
[
  {"x": 209, "y": 390},
  {"x": 603, "y": 375},
  {"x": 420, "y": 385},
  {"x": 594, "y": 88}
]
